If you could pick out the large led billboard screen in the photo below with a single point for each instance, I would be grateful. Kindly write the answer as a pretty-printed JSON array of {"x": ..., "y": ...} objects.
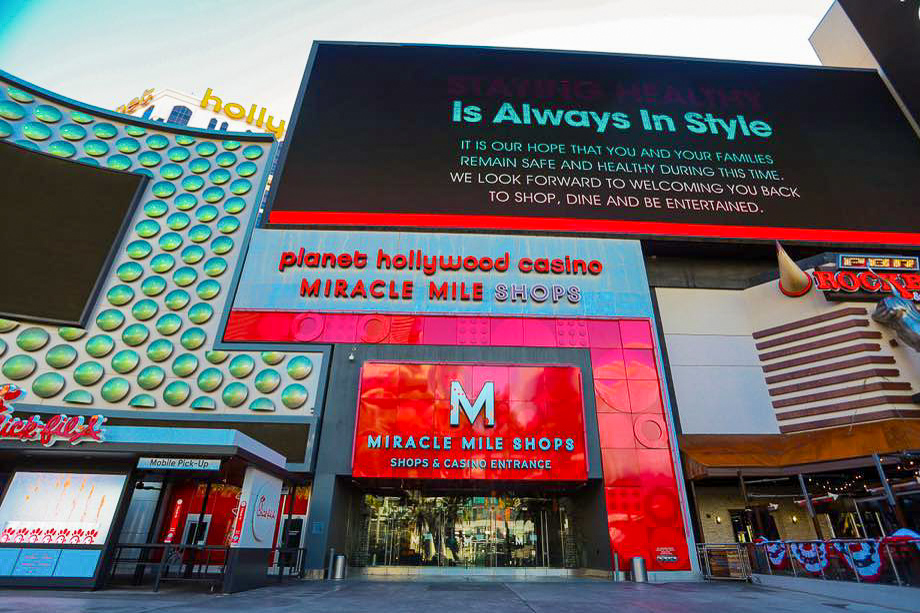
[
  {"x": 60, "y": 223},
  {"x": 480, "y": 138}
]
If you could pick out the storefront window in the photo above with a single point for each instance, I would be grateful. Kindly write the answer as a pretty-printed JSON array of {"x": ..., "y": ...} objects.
[
  {"x": 184, "y": 507},
  {"x": 59, "y": 508},
  {"x": 877, "y": 517},
  {"x": 464, "y": 531}
]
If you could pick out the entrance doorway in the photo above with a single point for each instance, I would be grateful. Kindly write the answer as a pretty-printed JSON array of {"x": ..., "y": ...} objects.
[{"x": 465, "y": 531}]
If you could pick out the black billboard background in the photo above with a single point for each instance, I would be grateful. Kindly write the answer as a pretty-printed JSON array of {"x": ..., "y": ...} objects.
[
  {"x": 891, "y": 31},
  {"x": 61, "y": 221},
  {"x": 374, "y": 135}
]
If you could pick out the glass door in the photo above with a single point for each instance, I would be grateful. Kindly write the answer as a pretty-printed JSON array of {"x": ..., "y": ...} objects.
[{"x": 463, "y": 531}]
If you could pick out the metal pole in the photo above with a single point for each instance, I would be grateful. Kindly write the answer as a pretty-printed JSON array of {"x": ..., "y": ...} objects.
[
  {"x": 757, "y": 523},
  {"x": 292, "y": 495},
  {"x": 894, "y": 566},
  {"x": 162, "y": 510},
  {"x": 204, "y": 504},
  {"x": 284, "y": 558},
  {"x": 865, "y": 533},
  {"x": 811, "y": 508},
  {"x": 154, "y": 530},
  {"x": 697, "y": 518},
  {"x": 889, "y": 494},
  {"x": 331, "y": 564},
  {"x": 821, "y": 568},
  {"x": 853, "y": 564}
]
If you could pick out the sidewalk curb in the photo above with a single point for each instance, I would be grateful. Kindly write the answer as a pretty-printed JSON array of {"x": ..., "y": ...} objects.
[{"x": 890, "y": 596}]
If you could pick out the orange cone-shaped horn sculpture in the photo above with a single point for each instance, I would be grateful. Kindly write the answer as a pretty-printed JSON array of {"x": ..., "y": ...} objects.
[{"x": 793, "y": 281}]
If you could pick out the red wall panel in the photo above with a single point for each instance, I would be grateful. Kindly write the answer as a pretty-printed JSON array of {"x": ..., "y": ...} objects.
[{"x": 645, "y": 514}]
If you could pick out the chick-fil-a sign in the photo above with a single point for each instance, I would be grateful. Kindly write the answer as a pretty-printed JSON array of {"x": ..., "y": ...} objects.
[{"x": 74, "y": 430}]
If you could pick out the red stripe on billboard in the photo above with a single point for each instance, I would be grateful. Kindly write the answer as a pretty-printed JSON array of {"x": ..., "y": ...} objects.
[{"x": 563, "y": 224}]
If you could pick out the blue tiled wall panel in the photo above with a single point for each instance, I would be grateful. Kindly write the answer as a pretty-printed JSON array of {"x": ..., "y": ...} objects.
[
  {"x": 8, "y": 559},
  {"x": 77, "y": 563},
  {"x": 36, "y": 563}
]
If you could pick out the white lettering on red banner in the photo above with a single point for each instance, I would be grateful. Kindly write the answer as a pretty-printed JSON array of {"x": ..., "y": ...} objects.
[
  {"x": 174, "y": 522},
  {"x": 238, "y": 525}
]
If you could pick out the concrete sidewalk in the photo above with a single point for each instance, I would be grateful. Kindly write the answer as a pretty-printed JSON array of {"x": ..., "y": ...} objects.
[{"x": 364, "y": 596}]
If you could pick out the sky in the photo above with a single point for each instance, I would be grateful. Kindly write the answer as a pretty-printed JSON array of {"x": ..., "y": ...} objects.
[{"x": 105, "y": 52}]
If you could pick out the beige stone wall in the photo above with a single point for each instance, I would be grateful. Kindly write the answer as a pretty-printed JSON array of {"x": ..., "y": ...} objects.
[{"x": 716, "y": 502}]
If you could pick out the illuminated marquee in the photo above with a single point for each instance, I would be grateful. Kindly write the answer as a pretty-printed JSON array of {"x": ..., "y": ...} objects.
[
  {"x": 137, "y": 103},
  {"x": 877, "y": 262},
  {"x": 236, "y": 111},
  {"x": 431, "y": 265},
  {"x": 439, "y": 273},
  {"x": 59, "y": 428},
  {"x": 865, "y": 277}
]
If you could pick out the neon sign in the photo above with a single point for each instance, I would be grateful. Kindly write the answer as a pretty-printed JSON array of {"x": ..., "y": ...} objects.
[
  {"x": 864, "y": 277},
  {"x": 136, "y": 103},
  {"x": 236, "y": 111},
  {"x": 60, "y": 427}
]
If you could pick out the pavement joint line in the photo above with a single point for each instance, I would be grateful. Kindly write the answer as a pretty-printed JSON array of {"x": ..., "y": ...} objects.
[
  {"x": 519, "y": 597},
  {"x": 158, "y": 608}
]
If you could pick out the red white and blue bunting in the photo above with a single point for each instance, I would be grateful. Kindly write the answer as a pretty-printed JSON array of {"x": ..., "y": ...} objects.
[
  {"x": 863, "y": 557},
  {"x": 867, "y": 558}
]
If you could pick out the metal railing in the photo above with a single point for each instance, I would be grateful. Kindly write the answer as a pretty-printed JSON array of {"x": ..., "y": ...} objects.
[
  {"x": 161, "y": 562},
  {"x": 724, "y": 561},
  {"x": 893, "y": 562},
  {"x": 288, "y": 562},
  {"x": 139, "y": 564}
]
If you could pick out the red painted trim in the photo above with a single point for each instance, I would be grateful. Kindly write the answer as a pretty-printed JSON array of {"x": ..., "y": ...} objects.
[
  {"x": 792, "y": 294},
  {"x": 657, "y": 228}
]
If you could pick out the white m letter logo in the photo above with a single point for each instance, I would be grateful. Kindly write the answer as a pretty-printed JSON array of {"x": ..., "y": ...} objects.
[{"x": 458, "y": 399}]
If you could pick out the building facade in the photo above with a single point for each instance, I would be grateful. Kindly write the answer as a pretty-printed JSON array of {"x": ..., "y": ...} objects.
[
  {"x": 880, "y": 36},
  {"x": 141, "y": 354},
  {"x": 523, "y": 318}
]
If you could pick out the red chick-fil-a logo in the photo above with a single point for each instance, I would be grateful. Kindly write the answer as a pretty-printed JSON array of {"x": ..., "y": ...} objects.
[
  {"x": 62, "y": 427},
  {"x": 261, "y": 511},
  {"x": 238, "y": 526},
  {"x": 9, "y": 393}
]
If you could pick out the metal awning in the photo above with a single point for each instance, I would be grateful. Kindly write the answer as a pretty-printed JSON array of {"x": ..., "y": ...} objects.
[
  {"x": 839, "y": 448},
  {"x": 148, "y": 440}
]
